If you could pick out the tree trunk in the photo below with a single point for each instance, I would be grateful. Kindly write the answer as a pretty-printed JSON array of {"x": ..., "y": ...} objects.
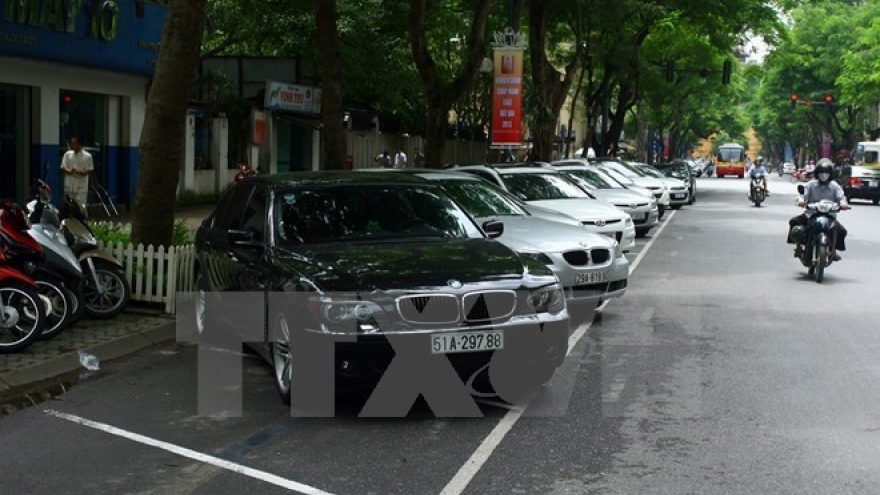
[
  {"x": 550, "y": 89},
  {"x": 439, "y": 94},
  {"x": 333, "y": 137},
  {"x": 642, "y": 145},
  {"x": 162, "y": 138}
]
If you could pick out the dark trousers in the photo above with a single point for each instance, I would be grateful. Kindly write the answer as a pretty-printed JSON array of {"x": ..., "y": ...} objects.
[{"x": 801, "y": 219}]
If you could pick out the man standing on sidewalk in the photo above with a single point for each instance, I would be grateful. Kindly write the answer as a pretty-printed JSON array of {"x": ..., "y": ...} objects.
[
  {"x": 400, "y": 158},
  {"x": 76, "y": 166}
]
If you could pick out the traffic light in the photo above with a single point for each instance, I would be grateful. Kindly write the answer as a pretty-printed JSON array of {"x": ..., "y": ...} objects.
[
  {"x": 670, "y": 71},
  {"x": 725, "y": 73},
  {"x": 794, "y": 99},
  {"x": 809, "y": 102},
  {"x": 829, "y": 99}
]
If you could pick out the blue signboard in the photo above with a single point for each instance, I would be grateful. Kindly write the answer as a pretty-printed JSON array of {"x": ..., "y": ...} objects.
[{"x": 117, "y": 35}]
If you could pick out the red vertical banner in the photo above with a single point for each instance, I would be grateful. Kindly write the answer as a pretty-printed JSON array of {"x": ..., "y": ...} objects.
[
  {"x": 827, "y": 142},
  {"x": 507, "y": 97}
]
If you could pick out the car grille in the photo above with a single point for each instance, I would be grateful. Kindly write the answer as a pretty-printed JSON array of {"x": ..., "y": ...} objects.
[
  {"x": 576, "y": 258},
  {"x": 601, "y": 223},
  {"x": 429, "y": 308},
  {"x": 600, "y": 256},
  {"x": 679, "y": 188},
  {"x": 488, "y": 305}
]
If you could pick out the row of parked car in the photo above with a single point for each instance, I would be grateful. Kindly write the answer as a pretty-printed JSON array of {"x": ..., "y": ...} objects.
[{"x": 469, "y": 263}]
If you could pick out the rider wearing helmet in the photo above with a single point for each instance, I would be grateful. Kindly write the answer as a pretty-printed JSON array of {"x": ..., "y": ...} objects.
[
  {"x": 758, "y": 170},
  {"x": 822, "y": 187}
]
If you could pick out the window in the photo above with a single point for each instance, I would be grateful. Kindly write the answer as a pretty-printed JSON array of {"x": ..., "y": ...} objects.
[
  {"x": 536, "y": 187},
  {"x": 254, "y": 218},
  {"x": 481, "y": 199},
  {"x": 230, "y": 216}
]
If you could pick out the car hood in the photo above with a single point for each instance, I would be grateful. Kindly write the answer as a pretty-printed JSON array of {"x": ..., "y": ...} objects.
[
  {"x": 537, "y": 234},
  {"x": 552, "y": 215},
  {"x": 582, "y": 209},
  {"x": 648, "y": 182},
  {"x": 621, "y": 197},
  {"x": 401, "y": 264}
]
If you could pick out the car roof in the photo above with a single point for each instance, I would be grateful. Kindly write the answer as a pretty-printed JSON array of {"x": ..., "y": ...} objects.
[
  {"x": 505, "y": 167},
  {"x": 329, "y": 177},
  {"x": 427, "y": 173}
]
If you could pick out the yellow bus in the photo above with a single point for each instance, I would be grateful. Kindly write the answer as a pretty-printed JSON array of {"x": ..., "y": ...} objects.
[{"x": 730, "y": 159}]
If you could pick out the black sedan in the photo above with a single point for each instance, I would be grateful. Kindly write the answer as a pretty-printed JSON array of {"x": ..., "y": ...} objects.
[{"x": 385, "y": 268}]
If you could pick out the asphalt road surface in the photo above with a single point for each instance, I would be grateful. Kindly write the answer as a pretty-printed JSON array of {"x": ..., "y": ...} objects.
[{"x": 723, "y": 370}]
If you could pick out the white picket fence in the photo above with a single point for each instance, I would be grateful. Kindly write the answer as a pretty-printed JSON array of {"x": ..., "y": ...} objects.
[{"x": 155, "y": 274}]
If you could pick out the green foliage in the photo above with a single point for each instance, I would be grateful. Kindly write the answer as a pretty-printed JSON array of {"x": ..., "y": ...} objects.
[{"x": 108, "y": 232}]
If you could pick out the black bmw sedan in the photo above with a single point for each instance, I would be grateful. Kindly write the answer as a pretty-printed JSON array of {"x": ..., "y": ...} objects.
[{"x": 366, "y": 275}]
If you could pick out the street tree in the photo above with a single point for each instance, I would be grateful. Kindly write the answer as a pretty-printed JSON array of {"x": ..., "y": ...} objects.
[{"x": 162, "y": 139}]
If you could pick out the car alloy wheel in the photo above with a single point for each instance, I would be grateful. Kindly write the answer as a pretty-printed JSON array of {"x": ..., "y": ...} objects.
[{"x": 281, "y": 359}]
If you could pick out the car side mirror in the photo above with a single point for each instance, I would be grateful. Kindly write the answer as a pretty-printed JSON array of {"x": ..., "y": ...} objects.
[
  {"x": 493, "y": 228},
  {"x": 243, "y": 238},
  {"x": 800, "y": 188}
]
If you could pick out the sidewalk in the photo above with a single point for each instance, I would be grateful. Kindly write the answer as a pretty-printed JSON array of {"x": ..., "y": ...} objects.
[{"x": 48, "y": 367}]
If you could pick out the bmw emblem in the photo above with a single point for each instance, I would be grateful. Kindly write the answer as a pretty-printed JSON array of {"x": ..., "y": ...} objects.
[
  {"x": 633, "y": 206},
  {"x": 455, "y": 284},
  {"x": 600, "y": 223},
  {"x": 584, "y": 244}
]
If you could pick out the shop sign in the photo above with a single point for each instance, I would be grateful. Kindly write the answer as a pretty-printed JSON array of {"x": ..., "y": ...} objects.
[
  {"x": 118, "y": 35},
  {"x": 507, "y": 89},
  {"x": 258, "y": 128},
  {"x": 292, "y": 98}
]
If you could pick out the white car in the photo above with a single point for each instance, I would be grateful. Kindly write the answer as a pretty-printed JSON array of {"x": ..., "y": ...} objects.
[
  {"x": 591, "y": 267},
  {"x": 643, "y": 210},
  {"x": 539, "y": 184},
  {"x": 788, "y": 168},
  {"x": 679, "y": 190},
  {"x": 653, "y": 186}
]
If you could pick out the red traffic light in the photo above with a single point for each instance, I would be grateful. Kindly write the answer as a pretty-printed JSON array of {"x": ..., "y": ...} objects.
[
  {"x": 794, "y": 98},
  {"x": 829, "y": 99}
]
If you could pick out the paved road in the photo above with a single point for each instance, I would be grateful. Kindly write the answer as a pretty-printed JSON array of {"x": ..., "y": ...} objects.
[{"x": 723, "y": 370}]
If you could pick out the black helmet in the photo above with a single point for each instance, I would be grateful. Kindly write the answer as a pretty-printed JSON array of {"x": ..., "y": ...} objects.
[{"x": 824, "y": 168}]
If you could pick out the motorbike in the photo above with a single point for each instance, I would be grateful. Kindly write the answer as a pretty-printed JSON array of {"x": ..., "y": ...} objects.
[
  {"x": 757, "y": 190},
  {"x": 106, "y": 291},
  {"x": 58, "y": 274},
  {"x": 23, "y": 311},
  {"x": 816, "y": 241}
]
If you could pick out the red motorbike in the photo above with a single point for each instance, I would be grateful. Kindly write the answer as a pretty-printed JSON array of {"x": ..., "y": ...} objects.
[
  {"x": 245, "y": 170},
  {"x": 23, "y": 311}
]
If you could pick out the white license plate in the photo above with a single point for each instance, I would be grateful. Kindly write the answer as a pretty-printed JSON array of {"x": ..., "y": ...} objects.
[
  {"x": 679, "y": 196},
  {"x": 591, "y": 278},
  {"x": 449, "y": 343},
  {"x": 872, "y": 183}
]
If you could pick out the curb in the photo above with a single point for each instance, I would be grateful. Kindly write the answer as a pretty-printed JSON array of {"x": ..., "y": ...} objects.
[{"x": 54, "y": 373}]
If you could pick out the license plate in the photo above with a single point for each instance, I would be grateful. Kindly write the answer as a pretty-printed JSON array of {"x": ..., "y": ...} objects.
[
  {"x": 449, "y": 343},
  {"x": 872, "y": 183},
  {"x": 591, "y": 278},
  {"x": 679, "y": 196}
]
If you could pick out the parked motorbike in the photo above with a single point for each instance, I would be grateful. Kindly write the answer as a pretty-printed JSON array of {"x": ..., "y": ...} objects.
[
  {"x": 58, "y": 274},
  {"x": 106, "y": 291},
  {"x": 23, "y": 311},
  {"x": 816, "y": 241},
  {"x": 757, "y": 190}
]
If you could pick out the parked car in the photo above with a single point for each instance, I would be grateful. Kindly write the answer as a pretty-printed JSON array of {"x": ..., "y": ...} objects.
[
  {"x": 643, "y": 210},
  {"x": 539, "y": 184},
  {"x": 352, "y": 259},
  {"x": 591, "y": 267},
  {"x": 788, "y": 168},
  {"x": 628, "y": 176},
  {"x": 680, "y": 172}
]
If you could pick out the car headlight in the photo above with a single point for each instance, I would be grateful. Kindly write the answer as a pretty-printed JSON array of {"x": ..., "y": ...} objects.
[
  {"x": 618, "y": 250},
  {"x": 345, "y": 315},
  {"x": 550, "y": 299}
]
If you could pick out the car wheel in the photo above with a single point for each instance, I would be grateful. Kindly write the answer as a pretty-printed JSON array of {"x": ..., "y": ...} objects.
[{"x": 281, "y": 359}]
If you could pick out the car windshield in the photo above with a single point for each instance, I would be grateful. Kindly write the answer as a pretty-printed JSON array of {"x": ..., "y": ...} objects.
[
  {"x": 368, "y": 212},
  {"x": 588, "y": 180},
  {"x": 624, "y": 170},
  {"x": 619, "y": 177},
  {"x": 481, "y": 199},
  {"x": 676, "y": 171},
  {"x": 536, "y": 187},
  {"x": 653, "y": 172}
]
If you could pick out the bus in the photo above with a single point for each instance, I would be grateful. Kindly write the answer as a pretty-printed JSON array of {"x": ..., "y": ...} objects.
[{"x": 730, "y": 160}]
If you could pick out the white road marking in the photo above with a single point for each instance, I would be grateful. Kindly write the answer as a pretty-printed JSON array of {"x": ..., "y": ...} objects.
[
  {"x": 192, "y": 454},
  {"x": 471, "y": 467}
]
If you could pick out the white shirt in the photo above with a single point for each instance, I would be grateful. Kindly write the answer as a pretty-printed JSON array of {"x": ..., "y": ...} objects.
[
  {"x": 400, "y": 160},
  {"x": 75, "y": 185}
]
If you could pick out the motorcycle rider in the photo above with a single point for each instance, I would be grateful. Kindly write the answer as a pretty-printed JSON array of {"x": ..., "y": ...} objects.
[
  {"x": 758, "y": 170},
  {"x": 822, "y": 187}
]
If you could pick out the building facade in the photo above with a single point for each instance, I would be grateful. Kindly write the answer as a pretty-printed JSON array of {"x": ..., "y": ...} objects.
[{"x": 74, "y": 68}]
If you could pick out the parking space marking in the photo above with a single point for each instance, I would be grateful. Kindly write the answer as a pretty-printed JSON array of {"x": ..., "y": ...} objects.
[
  {"x": 475, "y": 462},
  {"x": 191, "y": 454}
]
